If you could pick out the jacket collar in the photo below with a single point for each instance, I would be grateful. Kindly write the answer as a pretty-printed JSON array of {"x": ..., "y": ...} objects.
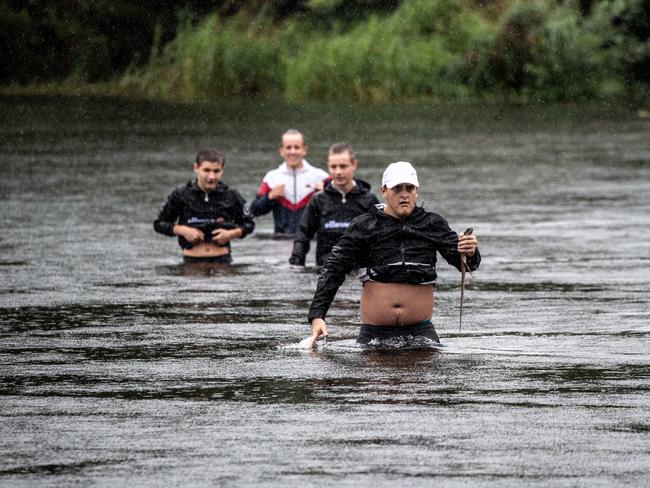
[
  {"x": 359, "y": 187},
  {"x": 284, "y": 167},
  {"x": 193, "y": 185},
  {"x": 416, "y": 214}
]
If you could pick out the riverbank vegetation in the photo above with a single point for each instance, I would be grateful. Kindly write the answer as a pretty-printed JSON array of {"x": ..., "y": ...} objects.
[{"x": 333, "y": 49}]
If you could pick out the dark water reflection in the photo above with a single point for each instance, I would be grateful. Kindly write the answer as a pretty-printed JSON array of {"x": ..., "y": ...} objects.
[{"x": 120, "y": 365}]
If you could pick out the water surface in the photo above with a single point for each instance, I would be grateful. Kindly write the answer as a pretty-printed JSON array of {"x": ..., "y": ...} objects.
[{"x": 122, "y": 366}]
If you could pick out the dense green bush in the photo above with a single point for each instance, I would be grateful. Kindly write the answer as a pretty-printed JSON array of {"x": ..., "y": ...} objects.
[
  {"x": 213, "y": 60},
  {"x": 545, "y": 51},
  {"x": 426, "y": 49},
  {"x": 510, "y": 52},
  {"x": 623, "y": 26},
  {"x": 568, "y": 61},
  {"x": 422, "y": 50}
]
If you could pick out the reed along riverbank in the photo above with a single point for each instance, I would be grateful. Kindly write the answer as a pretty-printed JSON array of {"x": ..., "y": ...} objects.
[{"x": 412, "y": 50}]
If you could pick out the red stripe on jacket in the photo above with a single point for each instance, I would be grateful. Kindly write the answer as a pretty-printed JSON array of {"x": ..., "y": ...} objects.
[
  {"x": 294, "y": 207},
  {"x": 263, "y": 189}
]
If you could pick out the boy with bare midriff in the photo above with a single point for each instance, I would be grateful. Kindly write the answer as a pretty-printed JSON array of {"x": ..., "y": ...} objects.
[
  {"x": 394, "y": 247},
  {"x": 205, "y": 214}
]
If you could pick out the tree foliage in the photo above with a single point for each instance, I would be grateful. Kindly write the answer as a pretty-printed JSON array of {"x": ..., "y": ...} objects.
[{"x": 361, "y": 49}]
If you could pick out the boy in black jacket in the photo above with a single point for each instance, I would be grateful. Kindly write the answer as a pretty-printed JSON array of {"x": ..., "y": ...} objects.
[
  {"x": 205, "y": 214},
  {"x": 394, "y": 247},
  {"x": 330, "y": 212}
]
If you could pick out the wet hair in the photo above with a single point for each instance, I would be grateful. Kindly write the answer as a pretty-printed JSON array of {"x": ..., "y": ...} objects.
[
  {"x": 341, "y": 147},
  {"x": 293, "y": 132},
  {"x": 211, "y": 156}
]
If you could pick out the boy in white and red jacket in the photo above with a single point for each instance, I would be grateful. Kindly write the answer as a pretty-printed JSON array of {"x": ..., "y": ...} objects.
[{"x": 286, "y": 191}]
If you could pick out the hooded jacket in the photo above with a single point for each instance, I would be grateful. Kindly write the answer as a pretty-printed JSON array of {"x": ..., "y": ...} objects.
[
  {"x": 329, "y": 213},
  {"x": 388, "y": 250},
  {"x": 298, "y": 190},
  {"x": 188, "y": 205}
]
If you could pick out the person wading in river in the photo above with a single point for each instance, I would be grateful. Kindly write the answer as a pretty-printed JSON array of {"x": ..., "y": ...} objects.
[
  {"x": 394, "y": 246},
  {"x": 286, "y": 190},
  {"x": 205, "y": 214},
  {"x": 330, "y": 212}
]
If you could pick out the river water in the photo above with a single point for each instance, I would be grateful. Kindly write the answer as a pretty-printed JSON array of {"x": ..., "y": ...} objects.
[{"x": 120, "y": 366}]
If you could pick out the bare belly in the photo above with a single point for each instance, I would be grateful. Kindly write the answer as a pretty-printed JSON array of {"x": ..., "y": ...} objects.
[
  {"x": 206, "y": 249},
  {"x": 395, "y": 303}
]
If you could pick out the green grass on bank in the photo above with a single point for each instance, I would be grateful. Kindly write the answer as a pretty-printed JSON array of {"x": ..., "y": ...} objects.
[{"x": 539, "y": 50}]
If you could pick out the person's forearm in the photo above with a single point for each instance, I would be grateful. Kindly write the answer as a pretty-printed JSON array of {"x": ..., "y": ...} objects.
[
  {"x": 343, "y": 257},
  {"x": 261, "y": 205},
  {"x": 167, "y": 216},
  {"x": 300, "y": 250},
  {"x": 246, "y": 225},
  {"x": 163, "y": 227},
  {"x": 328, "y": 285},
  {"x": 178, "y": 229}
]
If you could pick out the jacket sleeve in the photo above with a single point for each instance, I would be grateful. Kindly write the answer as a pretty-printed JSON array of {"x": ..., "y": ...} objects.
[
  {"x": 168, "y": 215},
  {"x": 243, "y": 217},
  {"x": 345, "y": 256},
  {"x": 453, "y": 258},
  {"x": 308, "y": 226},
  {"x": 261, "y": 204},
  {"x": 450, "y": 251}
]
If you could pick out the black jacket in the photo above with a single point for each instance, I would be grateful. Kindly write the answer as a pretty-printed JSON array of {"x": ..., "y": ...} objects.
[
  {"x": 329, "y": 213},
  {"x": 392, "y": 250},
  {"x": 189, "y": 205}
]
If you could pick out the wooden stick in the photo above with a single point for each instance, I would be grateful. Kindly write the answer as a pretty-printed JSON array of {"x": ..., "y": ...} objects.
[{"x": 463, "y": 269}]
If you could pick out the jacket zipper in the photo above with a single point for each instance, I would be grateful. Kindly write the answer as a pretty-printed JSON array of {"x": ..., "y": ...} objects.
[
  {"x": 402, "y": 245},
  {"x": 342, "y": 194},
  {"x": 295, "y": 187}
]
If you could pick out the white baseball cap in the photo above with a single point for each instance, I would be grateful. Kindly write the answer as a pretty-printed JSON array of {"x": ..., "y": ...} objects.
[{"x": 399, "y": 172}]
